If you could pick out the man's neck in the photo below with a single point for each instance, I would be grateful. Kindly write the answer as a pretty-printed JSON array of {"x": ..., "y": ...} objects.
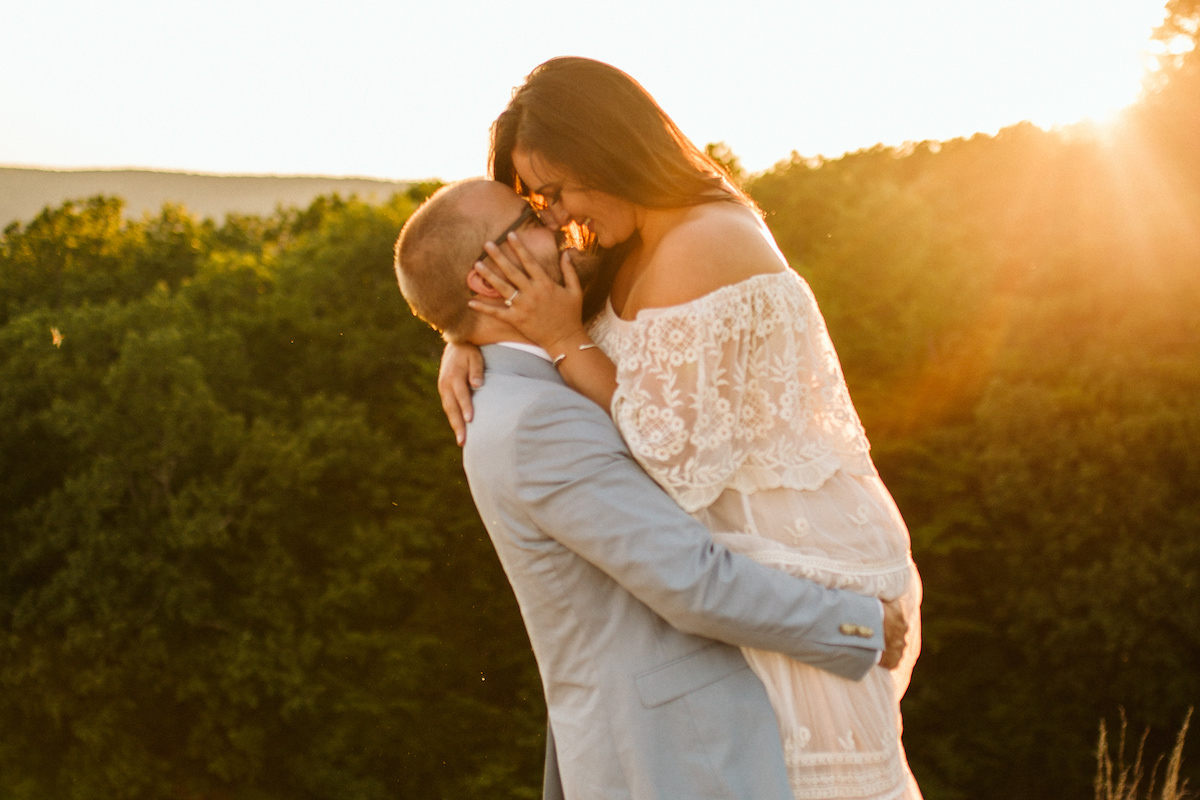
[
  {"x": 506, "y": 336},
  {"x": 480, "y": 341},
  {"x": 493, "y": 331},
  {"x": 524, "y": 347}
]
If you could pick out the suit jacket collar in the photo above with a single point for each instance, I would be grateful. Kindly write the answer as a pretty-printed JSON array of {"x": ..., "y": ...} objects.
[{"x": 517, "y": 362}]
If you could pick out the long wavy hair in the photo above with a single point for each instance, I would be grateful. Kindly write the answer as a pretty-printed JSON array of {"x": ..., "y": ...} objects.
[
  {"x": 602, "y": 127},
  {"x": 605, "y": 130}
]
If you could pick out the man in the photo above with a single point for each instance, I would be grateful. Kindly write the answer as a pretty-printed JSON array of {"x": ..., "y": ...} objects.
[{"x": 634, "y": 612}]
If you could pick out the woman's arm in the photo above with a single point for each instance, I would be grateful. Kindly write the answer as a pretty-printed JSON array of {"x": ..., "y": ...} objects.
[{"x": 460, "y": 373}]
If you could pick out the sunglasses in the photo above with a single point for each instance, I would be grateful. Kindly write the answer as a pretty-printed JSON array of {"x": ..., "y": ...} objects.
[{"x": 529, "y": 213}]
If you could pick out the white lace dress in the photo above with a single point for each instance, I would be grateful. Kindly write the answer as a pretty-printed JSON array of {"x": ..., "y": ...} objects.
[{"x": 735, "y": 403}]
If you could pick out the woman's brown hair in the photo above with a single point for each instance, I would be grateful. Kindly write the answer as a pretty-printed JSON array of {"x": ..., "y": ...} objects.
[{"x": 602, "y": 127}]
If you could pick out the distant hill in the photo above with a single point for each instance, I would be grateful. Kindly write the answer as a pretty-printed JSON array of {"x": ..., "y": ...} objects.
[{"x": 25, "y": 192}]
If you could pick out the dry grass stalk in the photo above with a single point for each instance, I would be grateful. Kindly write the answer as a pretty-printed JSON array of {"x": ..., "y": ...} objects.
[
  {"x": 1172, "y": 788},
  {"x": 1119, "y": 781}
]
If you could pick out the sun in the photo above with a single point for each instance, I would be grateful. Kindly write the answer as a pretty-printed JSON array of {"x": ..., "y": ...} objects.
[
  {"x": 1102, "y": 72},
  {"x": 1098, "y": 97}
]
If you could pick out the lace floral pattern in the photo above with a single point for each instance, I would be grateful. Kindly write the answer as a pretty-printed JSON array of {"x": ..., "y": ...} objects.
[
  {"x": 740, "y": 389},
  {"x": 828, "y": 775}
]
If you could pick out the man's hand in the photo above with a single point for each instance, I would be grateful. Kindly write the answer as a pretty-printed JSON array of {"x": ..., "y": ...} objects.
[{"x": 895, "y": 629}]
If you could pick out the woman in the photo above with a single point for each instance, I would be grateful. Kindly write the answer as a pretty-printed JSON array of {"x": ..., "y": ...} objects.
[{"x": 717, "y": 368}]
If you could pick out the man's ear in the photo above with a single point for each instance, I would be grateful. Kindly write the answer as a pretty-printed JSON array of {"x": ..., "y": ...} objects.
[{"x": 479, "y": 285}]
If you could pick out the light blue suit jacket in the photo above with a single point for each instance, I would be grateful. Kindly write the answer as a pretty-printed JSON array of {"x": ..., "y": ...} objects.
[{"x": 634, "y": 612}]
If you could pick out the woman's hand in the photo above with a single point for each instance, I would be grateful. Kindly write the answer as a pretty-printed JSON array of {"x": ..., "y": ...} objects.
[
  {"x": 460, "y": 373},
  {"x": 542, "y": 310}
]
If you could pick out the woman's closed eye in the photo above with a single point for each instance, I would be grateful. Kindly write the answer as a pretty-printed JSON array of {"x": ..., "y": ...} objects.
[{"x": 546, "y": 198}]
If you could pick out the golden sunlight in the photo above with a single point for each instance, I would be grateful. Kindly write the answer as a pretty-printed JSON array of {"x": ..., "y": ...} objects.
[
  {"x": 1100, "y": 88},
  {"x": 1099, "y": 99}
]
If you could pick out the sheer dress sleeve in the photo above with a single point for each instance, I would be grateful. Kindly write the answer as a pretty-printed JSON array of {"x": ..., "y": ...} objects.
[{"x": 740, "y": 389}]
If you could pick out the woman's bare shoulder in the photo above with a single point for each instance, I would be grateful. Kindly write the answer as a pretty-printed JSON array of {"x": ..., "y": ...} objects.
[{"x": 714, "y": 245}]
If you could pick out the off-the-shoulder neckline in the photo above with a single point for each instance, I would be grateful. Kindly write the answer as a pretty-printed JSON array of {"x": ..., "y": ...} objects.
[{"x": 729, "y": 288}]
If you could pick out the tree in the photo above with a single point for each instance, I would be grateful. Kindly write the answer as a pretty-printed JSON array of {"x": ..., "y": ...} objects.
[
  {"x": 239, "y": 555},
  {"x": 1015, "y": 319}
]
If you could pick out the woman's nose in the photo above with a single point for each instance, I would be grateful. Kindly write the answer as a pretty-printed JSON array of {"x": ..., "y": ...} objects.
[{"x": 555, "y": 216}]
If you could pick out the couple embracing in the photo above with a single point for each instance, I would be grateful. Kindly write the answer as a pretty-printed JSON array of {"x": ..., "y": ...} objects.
[{"x": 717, "y": 588}]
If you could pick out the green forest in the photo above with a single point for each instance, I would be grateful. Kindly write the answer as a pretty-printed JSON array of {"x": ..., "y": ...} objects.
[{"x": 238, "y": 557}]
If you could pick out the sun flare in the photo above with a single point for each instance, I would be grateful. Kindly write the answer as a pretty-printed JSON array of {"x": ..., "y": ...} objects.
[{"x": 1098, "y": 90}]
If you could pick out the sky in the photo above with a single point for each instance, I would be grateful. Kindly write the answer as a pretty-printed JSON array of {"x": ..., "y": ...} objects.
[{"x": 406, "y": 90}]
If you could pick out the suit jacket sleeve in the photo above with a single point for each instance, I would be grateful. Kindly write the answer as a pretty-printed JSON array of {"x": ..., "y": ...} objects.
[{"x": 579, "y": 484}]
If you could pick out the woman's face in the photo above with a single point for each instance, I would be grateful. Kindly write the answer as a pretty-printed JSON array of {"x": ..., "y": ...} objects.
[{"x": 610, "y": 218}]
